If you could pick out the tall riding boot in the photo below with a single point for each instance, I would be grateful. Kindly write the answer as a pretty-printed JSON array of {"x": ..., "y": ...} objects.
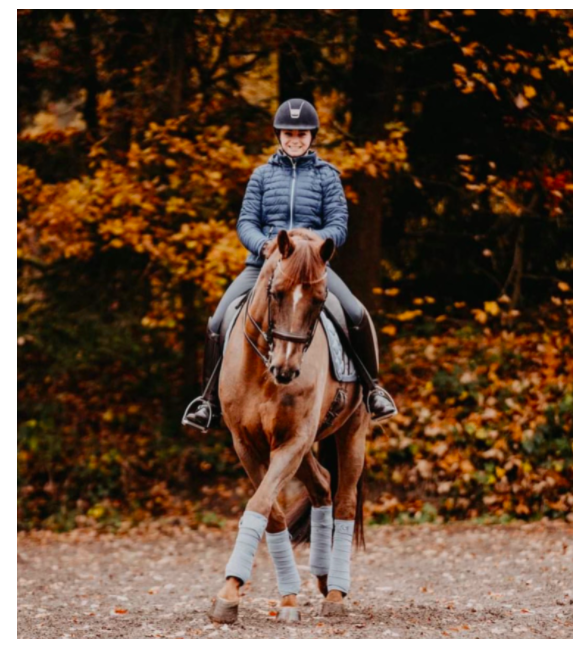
[
  {"x": 378, "y": 402},
  {"x": 204, "y": 412}
]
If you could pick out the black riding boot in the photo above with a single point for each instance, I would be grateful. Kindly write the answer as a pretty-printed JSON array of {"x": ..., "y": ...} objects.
[
  {"x": 378, "y": 402},
  {"x": 204, "y": 412}
]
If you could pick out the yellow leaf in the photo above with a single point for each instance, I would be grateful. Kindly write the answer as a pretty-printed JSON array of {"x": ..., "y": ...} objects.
[
  {"x": 512, "y": 67},
  {"x": 409, "y": 315},
  {"x": 536, "y": 73},
  {"x": 377, "y": 291},
  {"x": 480, "y": 316},
  {"x": 563, "y": 286},
  {"x": 492, "y": 308},
  {"x": 391, "y": 330},
  {"x": 468, "y": 50},
  {"x": 529, "y": 91}
]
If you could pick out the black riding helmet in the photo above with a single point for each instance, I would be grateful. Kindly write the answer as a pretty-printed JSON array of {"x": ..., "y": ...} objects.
[{"x": 296, "y": 114}]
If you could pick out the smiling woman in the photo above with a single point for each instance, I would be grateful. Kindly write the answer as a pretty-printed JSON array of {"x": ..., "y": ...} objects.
[{"x": 295, "y": 143}]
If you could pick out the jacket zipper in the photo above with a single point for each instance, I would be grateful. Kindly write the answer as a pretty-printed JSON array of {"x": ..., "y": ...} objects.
[{"x": 294, "y": 163}]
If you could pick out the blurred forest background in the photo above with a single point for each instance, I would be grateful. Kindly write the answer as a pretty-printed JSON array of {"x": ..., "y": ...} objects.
[{"x": 137, "y": 133}]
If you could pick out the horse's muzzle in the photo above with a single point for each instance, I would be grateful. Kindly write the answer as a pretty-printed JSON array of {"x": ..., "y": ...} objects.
[{"x": 284, "y": 375}]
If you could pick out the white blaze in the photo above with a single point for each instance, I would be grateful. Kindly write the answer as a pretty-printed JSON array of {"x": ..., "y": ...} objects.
[
  {"x": 289, "y": 350},
  {"x": 297, "y": 295}
]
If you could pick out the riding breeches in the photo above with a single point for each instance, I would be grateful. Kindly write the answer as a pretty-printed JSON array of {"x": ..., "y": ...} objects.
[{"x": 247, "y": 279}]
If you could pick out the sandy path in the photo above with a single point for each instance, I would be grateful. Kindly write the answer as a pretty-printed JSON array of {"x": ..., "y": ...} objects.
[{"x": 459, "y": 580}]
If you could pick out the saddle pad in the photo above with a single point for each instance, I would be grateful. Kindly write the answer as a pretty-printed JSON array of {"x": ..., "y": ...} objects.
[{"x": 343, "y": 367}]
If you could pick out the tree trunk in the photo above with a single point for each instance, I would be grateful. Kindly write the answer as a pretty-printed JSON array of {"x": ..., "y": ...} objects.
[
  {"x": 175, "y": 28},
  {"x": 296, "y": 63},
  {"x": 371, "y": 100},
  {"x": 83, "y": 24}
]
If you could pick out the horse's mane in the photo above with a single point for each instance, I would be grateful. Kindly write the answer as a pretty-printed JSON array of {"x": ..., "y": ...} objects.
[{"x": 305, "y": 264}]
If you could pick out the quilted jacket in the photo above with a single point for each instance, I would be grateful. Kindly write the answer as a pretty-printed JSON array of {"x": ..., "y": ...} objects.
[{"x": 286, "y": 193}]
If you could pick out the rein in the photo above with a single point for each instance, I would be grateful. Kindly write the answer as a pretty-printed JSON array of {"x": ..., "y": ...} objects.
[{"x": 273, "y": 333}]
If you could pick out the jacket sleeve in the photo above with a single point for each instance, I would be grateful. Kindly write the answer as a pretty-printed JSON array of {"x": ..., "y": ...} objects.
[
  {"x": 249, "y": 225},
  {"x": 335, "y": 210}
]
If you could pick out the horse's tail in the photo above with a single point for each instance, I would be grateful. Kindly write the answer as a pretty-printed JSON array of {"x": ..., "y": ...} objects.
[{"x": 299, "y": 514}]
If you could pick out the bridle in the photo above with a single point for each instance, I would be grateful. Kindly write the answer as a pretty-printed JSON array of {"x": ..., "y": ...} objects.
[{"x": 273, "y": 333}]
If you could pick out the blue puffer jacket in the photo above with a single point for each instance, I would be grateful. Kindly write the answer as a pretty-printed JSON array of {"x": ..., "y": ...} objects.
[{"x": 288, "y": 193}]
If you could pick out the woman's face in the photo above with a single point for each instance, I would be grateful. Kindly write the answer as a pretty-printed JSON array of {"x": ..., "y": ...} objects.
[{"x": 295, "y": 143}]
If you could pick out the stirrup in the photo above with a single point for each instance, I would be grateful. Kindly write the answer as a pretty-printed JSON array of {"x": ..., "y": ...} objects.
[
  {"x": 192, "y": 409},
  {"x": 381, "y": 391}
]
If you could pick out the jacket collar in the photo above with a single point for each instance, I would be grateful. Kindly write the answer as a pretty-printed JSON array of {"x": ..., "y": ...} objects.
[{"x": 283, "y": 160}]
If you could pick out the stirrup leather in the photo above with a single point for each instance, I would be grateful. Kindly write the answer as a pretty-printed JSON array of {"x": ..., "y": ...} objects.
[{"x": 380, "y": 391}]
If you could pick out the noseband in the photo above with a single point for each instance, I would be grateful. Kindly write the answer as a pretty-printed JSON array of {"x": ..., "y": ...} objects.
[{"x": 273, "y": 333}]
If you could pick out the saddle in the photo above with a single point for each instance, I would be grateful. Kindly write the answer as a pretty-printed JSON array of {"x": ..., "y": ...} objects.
[{"x": 335, "y": 326}]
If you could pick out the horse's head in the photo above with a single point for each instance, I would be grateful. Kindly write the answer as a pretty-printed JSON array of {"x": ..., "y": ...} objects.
[{"x": 297, "y": 292}]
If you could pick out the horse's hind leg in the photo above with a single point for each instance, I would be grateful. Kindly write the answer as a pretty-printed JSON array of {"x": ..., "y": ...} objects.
[
  {"x": 317, "y": 481},
  {"x": 351, "y": 444}
]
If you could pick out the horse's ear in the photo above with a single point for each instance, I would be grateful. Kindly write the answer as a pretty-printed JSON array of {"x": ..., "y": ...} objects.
[
  {"x": 286, "y": 245},
  {"x": 327, "y": 249}
]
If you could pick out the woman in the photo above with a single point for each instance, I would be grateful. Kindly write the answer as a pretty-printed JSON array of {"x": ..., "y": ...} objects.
[{"x": 295, "y": 189}]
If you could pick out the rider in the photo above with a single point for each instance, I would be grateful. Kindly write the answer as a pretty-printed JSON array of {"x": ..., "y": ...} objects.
[{"x": 295, "y": 189}]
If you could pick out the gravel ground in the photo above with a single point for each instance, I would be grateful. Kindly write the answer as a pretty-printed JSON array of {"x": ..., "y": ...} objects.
[{"x": 457, "y": 580}]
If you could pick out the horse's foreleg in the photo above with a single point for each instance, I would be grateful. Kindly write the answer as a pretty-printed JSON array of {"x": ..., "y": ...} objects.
[
  {"x": 351, "y": 443},
  {"x": 284, "y": 463},
  {"x": 278, "y": 541}
]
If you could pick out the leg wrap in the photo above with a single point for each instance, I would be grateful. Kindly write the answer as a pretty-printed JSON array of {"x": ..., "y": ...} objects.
[
  {"x": 281, "y": 551},
  {"x": 339, "y": 575},
  {"x": 320, "y": 551},
  {"x": 252, "y": 527}
]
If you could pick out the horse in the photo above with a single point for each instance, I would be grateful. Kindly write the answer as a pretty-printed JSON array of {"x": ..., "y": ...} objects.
[{"x": 276, "y": 391}]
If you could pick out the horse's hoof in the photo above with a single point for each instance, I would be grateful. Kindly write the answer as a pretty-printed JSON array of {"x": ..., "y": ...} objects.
[
  {"x": 289, "y": 615},
  {"x": 329, "y": 608},
  {"x": 223, "y": 611}
]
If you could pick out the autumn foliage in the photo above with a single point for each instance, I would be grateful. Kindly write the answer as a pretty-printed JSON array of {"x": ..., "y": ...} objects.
[{"x": 137, "y": 133}]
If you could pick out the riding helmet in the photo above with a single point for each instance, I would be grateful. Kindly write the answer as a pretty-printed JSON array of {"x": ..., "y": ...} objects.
[{"x": 296, "y": 114}]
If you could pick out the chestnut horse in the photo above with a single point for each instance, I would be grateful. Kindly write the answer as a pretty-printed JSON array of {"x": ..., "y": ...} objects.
[{"x": 276, "y": 390}]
